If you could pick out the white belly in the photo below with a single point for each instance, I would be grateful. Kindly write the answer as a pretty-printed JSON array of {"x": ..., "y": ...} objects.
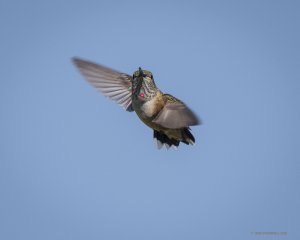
[{"x": 148, "y": 108}]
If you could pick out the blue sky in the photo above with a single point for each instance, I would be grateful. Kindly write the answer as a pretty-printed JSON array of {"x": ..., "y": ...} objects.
[{"x": 74, "y": 165}]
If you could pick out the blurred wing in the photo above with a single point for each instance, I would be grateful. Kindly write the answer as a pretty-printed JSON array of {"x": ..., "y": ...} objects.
[
  {"x": 176, "y": 115},
  {"x": 113, "y": 84}
]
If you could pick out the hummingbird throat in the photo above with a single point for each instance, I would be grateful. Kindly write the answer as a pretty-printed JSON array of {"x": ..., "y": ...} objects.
[{"x": 144, "y": 87}]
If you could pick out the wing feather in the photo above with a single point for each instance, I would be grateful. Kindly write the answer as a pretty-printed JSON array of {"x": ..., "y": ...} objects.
[
  {"x": 113, "y": 84},
  {"x": 176, "y": 114}
]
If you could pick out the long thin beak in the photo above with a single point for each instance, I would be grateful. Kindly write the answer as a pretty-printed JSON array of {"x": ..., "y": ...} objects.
[{"x": 141, "y": 72}]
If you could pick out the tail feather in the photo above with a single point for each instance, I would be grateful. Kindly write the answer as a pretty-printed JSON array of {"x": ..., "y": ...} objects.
[
  {"x": 188, "y": 137},
  {"x": 162, "y": 139}
]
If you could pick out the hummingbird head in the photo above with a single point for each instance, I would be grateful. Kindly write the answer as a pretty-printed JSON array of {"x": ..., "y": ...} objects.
[
  {"x": 143, "y": 84},
  {"x": 142, "y": 74}
]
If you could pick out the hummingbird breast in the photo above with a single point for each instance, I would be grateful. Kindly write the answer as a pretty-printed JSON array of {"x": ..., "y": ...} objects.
[{"x": 148, "y": 110}]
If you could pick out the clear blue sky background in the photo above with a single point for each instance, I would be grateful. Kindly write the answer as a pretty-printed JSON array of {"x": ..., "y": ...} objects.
[{"x": 74, "y": 165}]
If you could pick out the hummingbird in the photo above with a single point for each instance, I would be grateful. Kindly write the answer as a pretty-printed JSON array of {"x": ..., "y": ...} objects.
[{"x": 168, "y": 116}]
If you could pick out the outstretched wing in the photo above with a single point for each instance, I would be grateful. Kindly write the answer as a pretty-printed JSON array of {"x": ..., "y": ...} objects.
[
  {"x": 111, "y": 83},
  {"x": 176, "y": 114}
]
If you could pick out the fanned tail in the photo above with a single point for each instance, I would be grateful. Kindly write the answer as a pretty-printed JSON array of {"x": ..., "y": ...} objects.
[{"x": 163, "y": 140}]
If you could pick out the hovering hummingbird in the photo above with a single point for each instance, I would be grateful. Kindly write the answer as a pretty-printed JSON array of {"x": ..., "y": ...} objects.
[{"x": 169, "y": 117}]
